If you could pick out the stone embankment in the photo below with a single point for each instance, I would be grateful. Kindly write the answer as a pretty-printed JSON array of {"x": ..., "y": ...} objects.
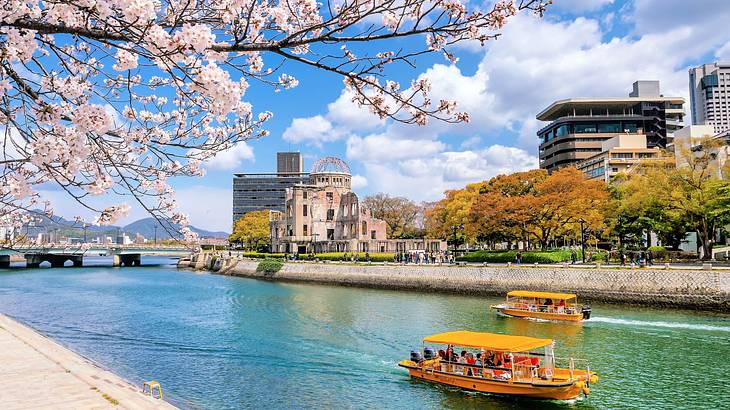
[{"x": 690, "y": 288}]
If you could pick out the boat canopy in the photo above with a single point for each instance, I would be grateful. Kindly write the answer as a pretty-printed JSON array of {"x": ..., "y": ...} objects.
[
  {"x": 531, "y": 294},
  {"x": 489, "y": 341}
]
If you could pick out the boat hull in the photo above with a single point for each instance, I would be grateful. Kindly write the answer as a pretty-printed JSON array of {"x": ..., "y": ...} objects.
[
  {"x": 557, "y": 391},
  {"x": 577, "y": 317}
]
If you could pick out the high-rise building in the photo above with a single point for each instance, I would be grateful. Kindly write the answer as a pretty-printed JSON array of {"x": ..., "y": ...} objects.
[
  {"x": 709, "y": 92},
  {"x": 267, "y": 191},
  {"x": 578, "y": 126}
]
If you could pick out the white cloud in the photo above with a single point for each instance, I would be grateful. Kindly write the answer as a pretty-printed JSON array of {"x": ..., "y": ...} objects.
[
  {"x": 231, "y": 158},
  {"x": 383, "y": 148},
  {"x": 472, "y": 142},
  {"x": 579, "y": 6},
  {"x": 359, "y": 181},
  {"x": 426, "y": 178},
  {"x": 343, "y": 117},
  {"x": 349, "y": 115},
  {"x": 312, "y": 130}
]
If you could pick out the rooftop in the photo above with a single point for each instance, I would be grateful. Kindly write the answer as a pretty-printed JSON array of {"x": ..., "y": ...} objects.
[{"x": 558, "y": 108}]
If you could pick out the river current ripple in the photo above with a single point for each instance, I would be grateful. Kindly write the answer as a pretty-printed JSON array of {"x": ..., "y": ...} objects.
[{"x": 218, "y": 342}]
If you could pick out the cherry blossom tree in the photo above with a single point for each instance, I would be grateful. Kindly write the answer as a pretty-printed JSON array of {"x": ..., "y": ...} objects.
[{"x": 120, "y": 96}]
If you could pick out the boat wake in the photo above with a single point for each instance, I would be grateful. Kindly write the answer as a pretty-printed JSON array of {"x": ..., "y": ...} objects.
[{"x": 671, "y": 325}]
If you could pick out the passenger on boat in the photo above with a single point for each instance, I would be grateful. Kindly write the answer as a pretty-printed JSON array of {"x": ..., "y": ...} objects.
[
  {"x": 470, "y": 359},
  {"x": 462, "y": 360},
  {"x": 561, "y": 306},
  {"x": 442, "y": 357}
]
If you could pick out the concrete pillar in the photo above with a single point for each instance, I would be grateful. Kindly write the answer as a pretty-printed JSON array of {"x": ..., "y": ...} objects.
[
  {"x": 116, "y": 260},
  {"x": 33, "y": 260},
  {"x": 78, "y": 261},
  {"x": 4, "y": 261}
]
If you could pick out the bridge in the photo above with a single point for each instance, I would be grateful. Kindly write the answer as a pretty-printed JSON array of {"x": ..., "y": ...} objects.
[{"x": 57, "y": 256}]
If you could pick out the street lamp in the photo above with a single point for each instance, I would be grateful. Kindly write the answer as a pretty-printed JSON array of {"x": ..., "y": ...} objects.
[{"x": 582, "y": 221}]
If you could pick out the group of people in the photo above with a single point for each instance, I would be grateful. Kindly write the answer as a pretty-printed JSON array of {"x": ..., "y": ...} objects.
[
  {"x": 421, "y": 257},
  {"x": 494, "y": 364}
]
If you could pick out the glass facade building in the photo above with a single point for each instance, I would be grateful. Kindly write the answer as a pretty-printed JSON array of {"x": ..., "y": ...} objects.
[
  {"x": 262, "y": 191},
  {"x": 578, "y": 126}
]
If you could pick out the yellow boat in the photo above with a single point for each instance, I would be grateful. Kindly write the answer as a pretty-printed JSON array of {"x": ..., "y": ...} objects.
[
  {"x": 511, "y": 365},
  {"x": 544, "y": 305}
]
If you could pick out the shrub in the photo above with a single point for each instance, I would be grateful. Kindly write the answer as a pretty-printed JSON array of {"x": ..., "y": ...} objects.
[
  {"x": 509, "y": 256},
  {"x": 657, "y": 249},
  {"x": 269, "y": 266},
  {"x": 599, "y": 256}
]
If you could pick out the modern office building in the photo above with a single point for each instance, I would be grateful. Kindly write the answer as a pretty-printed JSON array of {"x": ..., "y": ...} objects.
[
  {"x": 619, "y": 154},
  {"x": 267, "y": 191},
  {"x": 709, "y": 92},
  {"x": 578, "y": 126},
  {"x": 324, "y": 215}
]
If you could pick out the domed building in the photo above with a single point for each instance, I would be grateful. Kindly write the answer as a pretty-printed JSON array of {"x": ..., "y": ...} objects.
[{"x": 324, "y": 215}]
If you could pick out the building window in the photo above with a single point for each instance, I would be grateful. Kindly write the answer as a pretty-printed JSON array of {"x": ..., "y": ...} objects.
[
  {"x": 372, "y": 234},
  {"x": 622, "y": 155},
  {"x": 630, "y": 127},
  {"x": 304, "y": 195},
  {"x": 304, "y": 210},
  {"x": 614, "y": 169},
  {"x": 305, "y": 230},
  {"x": 330, "y": 196},
  {"x": 562, "y": 130},
  {"x": 330, "y": 214},
  {"x": 585, "y": 128},
  {"x": 364, "y": 230},
  {"x": 330, "y": 234},
  {"x": 609, "y": 128}
]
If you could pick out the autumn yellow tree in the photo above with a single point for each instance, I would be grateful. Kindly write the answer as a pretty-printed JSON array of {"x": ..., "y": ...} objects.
[
  {"x": 453, "y": 210},
  {"x": 691, "y": 197},
  {"x": 536, "y": 207},
  {"x": 251, "y": 230}
]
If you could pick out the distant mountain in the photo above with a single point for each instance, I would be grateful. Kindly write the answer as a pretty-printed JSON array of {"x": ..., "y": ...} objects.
[{"x": 146, "y": 228}]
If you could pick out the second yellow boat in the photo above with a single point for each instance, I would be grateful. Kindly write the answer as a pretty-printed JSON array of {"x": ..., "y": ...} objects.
[{"x": 544, "y": 305}]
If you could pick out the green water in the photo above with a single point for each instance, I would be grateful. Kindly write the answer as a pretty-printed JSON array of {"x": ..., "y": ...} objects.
[{"x": 220, "y": 342}]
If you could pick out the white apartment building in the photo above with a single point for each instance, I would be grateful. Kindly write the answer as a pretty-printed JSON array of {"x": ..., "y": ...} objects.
[{"x": 709, "y": 89}]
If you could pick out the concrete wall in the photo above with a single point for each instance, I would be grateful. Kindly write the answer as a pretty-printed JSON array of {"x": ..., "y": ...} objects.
[{"x": 699, "y": 289}]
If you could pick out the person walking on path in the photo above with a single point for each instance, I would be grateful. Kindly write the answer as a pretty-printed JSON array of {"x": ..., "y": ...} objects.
[{"x": 573, "y": 256}]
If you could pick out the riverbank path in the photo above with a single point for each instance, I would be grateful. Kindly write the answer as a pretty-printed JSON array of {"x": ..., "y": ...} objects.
[{"x": 36, "y": 372}]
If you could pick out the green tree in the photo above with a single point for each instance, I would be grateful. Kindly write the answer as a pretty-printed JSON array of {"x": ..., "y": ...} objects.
[
  {"x": 690, "y": 197},
  {"x": 251, "y": 230}
]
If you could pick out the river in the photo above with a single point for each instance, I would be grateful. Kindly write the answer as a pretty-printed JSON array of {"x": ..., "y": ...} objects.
[{"x": 218, "y": 342}]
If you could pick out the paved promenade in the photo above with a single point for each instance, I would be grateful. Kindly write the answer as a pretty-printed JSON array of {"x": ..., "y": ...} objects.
[{"x": 38, "y": 373}]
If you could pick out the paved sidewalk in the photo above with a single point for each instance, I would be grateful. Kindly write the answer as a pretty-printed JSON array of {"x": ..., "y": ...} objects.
[{"x": 38, "y": 373}]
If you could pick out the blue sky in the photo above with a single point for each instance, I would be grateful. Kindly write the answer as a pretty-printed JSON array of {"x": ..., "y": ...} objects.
[{"x": 581, "y": 48}]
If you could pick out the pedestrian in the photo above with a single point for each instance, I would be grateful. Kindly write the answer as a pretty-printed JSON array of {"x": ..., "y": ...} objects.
[
  {"x": 573, "y": 256},
  {"x": 518, "y": 258}
]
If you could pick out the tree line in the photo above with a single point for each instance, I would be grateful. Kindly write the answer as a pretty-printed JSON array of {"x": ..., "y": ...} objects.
[{"x": 545, "y": 210}]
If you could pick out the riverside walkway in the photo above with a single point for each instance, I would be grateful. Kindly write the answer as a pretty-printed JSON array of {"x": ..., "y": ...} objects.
[{"x": 37, "y": 372}]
